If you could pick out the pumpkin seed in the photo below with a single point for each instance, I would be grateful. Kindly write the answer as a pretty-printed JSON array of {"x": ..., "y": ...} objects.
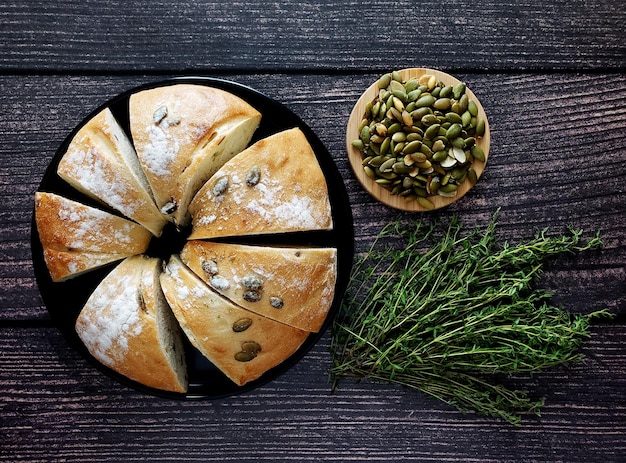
[
  {"x": 446, "y": 92},
  {"x": 448, "y": 162},
  {"x": 459, "y": 154},
  {"x": 365, "y": 135},
  {"x": 426, "y": 100},
  {"x": 251, "y": 346},
  {"x": 358, "y": 144},
  {"x": 398, "y": 137},
  {"x": 418, "y": 157},
  {"x": 472, "y": 176},
  {"x": 478, "y": 153},
  {"x": 242, "y": 325},
  {"x": 377, "y": 139},
  {"x": 448, "y": 188},
  {"x": 387, "y": 165},
  {"x": 277, "y": 302},
  {"x": 463, "y": 102},
  {"x": 425, "y": 203},
  {"x": 220, "y": 186},
  {"x": 458, "y": 90},
  {"x": 447, "y": 194},
  {"x": 377, "y": 160},
  {"x": 244, "y": 356},
  {"x": 458, "y": 142},
  {"x": 438, "y": 145},
  {"x": 432, "y": 81},
  {"x": 384, "y": 81},
  {"x": 401, "y": 168},
  {"x": 397, "y": 103},
  {"x": 252, "y": 296},
  {"x": 252, "y": 281},
  {"x": 480, "y": 128},
  {"x": 413, "y": 95},
  {"x": 433, "y": 185},
  {"x": 253, "y": 176},
  {"x": 432, "y": 131},
  {"x": 407, "y": 119},
  {"x": 429, "y": 119},
  {"x": 380, "y": 129},
  {"x": 209, "y": 267},
  {"x": 384, "y": 146},
  {"x": 219, "y": 282},
  {"x": 421, "y": 112},
  {"x": 454, "y": 131},
  {"x": 439, "y": 156},
  {"x": 394, "y": 128},
  {"x": 442, "y": 104},
  {"x": 412, "y": 147},
  {"x": 159, "y": 114},
  {"x": 454, "y": 118},
  {"x": 466, "y": 118},
  {"x": 472, "y": 108}
]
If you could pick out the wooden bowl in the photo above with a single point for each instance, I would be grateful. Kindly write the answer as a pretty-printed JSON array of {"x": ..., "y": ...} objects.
[{"x": 355, "y": 156}]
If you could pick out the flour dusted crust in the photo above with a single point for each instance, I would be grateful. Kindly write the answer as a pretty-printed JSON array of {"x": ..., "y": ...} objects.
[
  {"x": 292, "y": 285},
  {"x": 100, "y": 162},
  {"x": 274, "y": 186},
  {"x": 77, "y": 238},
  {"x": 209, "y": 320},
  {"x": 183, "y": 133},
  {"x": 127, "y": 325},
  {"x": 188, "y": 160}
]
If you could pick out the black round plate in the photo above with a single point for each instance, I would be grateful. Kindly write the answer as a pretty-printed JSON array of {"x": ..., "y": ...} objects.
[{"x": 64, "y": 300}]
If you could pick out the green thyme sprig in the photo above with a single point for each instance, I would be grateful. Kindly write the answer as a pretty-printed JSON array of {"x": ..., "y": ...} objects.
[{"x": 446, "y": 313}]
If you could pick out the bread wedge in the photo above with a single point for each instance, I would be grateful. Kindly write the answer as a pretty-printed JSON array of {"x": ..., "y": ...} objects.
[
  {"x": 274, "y": 186},
  {"x": 242, "y": 344},
  {"x": 183, "y": 133},
  {"x": 77, "y": 238},
  {"x": 292, "y": 285},
  {"x": 127, "y": 325},
  {"x": 101, "y": 162}
]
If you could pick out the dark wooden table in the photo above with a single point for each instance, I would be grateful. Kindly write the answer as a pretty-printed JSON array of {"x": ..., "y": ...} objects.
[{"x": 552, "y": 79}]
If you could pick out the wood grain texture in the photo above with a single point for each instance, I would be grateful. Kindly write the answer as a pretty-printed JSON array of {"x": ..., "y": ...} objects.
[
  {"x": 56, "y": 407},
  {"x": 325, "y": 35},
  {"x": 551, "y": 79}
]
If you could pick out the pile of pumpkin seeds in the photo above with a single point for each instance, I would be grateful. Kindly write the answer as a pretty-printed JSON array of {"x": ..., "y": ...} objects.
[{"x": 418, "y": 137}]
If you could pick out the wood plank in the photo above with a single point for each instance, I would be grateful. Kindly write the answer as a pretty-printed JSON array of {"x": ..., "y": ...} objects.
[
  {"x": 55, "y": 406},
  {"x": 556, "y": 159},
  {"x": 97, "y": 36}
]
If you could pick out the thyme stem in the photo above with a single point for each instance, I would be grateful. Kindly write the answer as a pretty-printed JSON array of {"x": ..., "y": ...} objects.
[{"x": 446, "y": 313}]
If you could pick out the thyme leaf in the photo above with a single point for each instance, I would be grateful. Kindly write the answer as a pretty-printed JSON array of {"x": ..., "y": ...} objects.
[{"x": 447, "y": 313}]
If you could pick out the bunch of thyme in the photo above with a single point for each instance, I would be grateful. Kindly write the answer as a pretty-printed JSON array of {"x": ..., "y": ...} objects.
[{"x": 447, "y": 314}]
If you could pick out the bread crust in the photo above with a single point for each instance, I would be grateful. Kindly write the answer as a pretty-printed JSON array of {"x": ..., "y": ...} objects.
[
  {"x": 120, "y": 326},
  {"x": 77, "y": 238},
  {"x": 291, "y": 193},
  {"x": 291, "y": 285},
  {"x": 101, "y": 162},
  {"x": 208, "y": 319},
  {"x": 183, "y": 133},
  {"x": 185, "y": 140}
]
